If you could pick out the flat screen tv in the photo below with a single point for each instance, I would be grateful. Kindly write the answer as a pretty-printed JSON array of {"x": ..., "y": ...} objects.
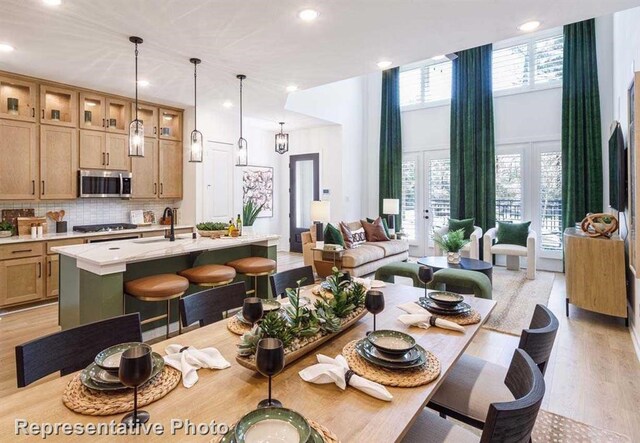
[{"x": 617, "y": 170}]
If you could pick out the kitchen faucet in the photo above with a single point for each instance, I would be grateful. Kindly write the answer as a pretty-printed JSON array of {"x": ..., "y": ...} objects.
[{"x": 172, "y": 235}]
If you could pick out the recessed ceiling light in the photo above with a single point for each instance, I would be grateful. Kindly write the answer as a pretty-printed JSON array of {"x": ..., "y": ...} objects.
[
  {"x": 308, "y": 15},
  {"x": 529, "y": 26},
  {"x": 5, "y": 47},
  {"x": 52, "y": 2},
  {"x": 143, "y": 83},
  {"x": 384, "y": 64},
  {"x": 227, "y": 104},
  {"x": 292, "y": 88},
  {"x": 438, "y": 57}
]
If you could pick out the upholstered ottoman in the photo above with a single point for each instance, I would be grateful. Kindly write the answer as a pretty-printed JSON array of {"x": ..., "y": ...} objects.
[
  {"x": 462, "y": 281},
  {"x": 400, "y": 269}
]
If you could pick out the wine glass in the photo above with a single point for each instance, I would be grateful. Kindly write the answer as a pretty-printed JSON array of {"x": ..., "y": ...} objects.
[
  {"x": 135, "y": 369},
  {"x": 425, "y": 274},
  {"x": 374, "y": 302},
  {"x": 270, "y": 361},
  {"x": 252, "y": 310}
]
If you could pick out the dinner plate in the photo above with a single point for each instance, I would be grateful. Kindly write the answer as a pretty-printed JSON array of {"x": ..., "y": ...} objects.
[
  {"x": 90, "y": 382},
  {"x": 109, "y": 359},
  {"x": 360, "y": 349},
  {"x": 445, "y": 299},
  {"x": 378, "y": 284},
  {"x": 391, "y": 342},
  {"x": 103, "y": 376},
  {"x": 272, "y": 424},
  {"x": 230, "y": 437},
  {"x": 433, "y": 307},
  {"x": 269, "y": 305},
  {"x": 410, "y": 357}
]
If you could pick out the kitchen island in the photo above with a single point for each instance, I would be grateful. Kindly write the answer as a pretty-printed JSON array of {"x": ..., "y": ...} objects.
[{"x": 92, "y": 276}]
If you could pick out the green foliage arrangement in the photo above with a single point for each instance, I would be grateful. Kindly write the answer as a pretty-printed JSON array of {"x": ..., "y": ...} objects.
[
  {"x": 212, "y": 226},
  {"x": 452, "y": 241},
  {"x": 6, "y": 226},
  {"x": 250, "y": 212}
]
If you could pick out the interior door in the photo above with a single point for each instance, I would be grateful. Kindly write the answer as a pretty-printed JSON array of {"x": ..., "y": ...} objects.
[{"x": 304, "y": 187}]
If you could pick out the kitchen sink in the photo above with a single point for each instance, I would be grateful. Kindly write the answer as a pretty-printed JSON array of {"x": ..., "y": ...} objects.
[{"x": 160, "y": 239}]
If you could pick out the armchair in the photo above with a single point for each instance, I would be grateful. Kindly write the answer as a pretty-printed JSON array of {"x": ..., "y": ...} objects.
[
  {"x": 513, "y": 252},
  {"x": 472, "y": 249}
]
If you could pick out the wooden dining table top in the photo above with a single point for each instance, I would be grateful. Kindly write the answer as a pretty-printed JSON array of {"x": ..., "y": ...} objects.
[{"x": 224, "y": 396}]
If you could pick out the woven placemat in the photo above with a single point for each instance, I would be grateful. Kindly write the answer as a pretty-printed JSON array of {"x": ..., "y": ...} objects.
[
  {"x": 327, "y": 435},
  {"x": 402, "y": 378},
  {"x": 470, "y": 318},
  {"x": 236, "y": 326},
  {"x": 83, "y": 400}
]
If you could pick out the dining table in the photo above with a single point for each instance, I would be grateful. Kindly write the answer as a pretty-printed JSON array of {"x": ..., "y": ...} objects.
[{"x": 224, "y": 396}]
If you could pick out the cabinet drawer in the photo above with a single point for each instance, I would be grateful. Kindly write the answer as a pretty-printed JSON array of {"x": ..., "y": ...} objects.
[
  {"x": 69, "y": 242},
  {"x": 20, "y": 250}
]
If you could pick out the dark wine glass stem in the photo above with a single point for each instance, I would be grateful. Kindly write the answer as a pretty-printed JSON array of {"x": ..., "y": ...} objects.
[
  {"x": 374, "y": 322},
  {"x": 135, "y": 405},
  {"x": 269, "y": 390}
]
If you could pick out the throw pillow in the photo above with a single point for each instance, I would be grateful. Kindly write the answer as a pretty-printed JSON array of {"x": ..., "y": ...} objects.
[
  {"x": 466, "y": 224},
  {"x": 354, "y": 238},
  {"x": 333, "y": 236},
  {"x": 384, "y": 225},
  {"x": 512, "y": 233},
  {"x": 374, "y": 231}
]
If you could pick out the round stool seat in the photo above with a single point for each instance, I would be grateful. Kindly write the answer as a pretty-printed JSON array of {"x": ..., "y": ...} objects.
[
  {"x": 209, "y": 274},
  {"x": 253, "y": 265},
  {"x": 161, "y": 286}
]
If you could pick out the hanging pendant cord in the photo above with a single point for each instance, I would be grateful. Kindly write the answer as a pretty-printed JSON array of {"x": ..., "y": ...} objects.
[
  {"x": 195, "y": 96},
  {"x": 240, "y": 108},
  {"x": 136, "y": 86}
]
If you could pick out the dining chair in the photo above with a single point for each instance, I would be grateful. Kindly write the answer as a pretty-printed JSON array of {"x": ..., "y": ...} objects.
[
  {"x": 73, "y": 349},
  {"x": 206, "y": 307},
  {"x": 287, "y": 279},
  {"x": 474, "y": 383},
  {"x": 507, "y": 422}
]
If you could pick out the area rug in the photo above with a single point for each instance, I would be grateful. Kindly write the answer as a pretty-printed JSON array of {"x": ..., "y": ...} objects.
[
  {"x": 553, "y": 428},
  {"x": 516, "y": 298}
]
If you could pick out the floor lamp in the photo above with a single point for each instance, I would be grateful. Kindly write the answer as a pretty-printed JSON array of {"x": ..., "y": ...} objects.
[
  {"x": 391, "y": 208},
  {"x": 320, "y": 213}
]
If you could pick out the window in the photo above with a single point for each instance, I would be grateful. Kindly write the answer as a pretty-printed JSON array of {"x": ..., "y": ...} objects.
[
  {"x": 510, "y": 67},
  {"x": 408, "y": 203},
  {"x": 426, "y": 84},
  {"x": 548, "y": 54},
  {"x": 551, "y": 201},
  {"x": 509, "y": 187},
  {"x": 439, "y": 193}
]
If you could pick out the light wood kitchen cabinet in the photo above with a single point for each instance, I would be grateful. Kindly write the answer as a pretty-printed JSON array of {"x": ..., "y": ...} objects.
[
  {"x": 18, "y": 93},
  {"x": 118, "y": 115},
  {"x": 58, "y": 162},
  {"x": 149, "y": 116},
  {"x": 53, "y": 275},
  {"x": 92, "y": 112},
  {"x": 117, "y": 152},
  {"x": 92, "y": 150},
  {"x": 21, "y": 280},
  {"x": 58, "y": 106},
  {"x": 170, "y": 169},
  {"x": 18, "y": 160},
  {"x": 145, "y": 171},
  {"x": 170, "y": 124}
]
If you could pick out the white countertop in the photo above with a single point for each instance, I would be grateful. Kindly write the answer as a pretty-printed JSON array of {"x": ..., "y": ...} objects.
[
  {"x": 72, "y": 234},
  {"x": 112, "y": 257}
]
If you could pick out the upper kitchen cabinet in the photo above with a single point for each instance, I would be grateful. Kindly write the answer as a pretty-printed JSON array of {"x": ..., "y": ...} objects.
[
  {"x": 19, "y": 160},
  {"x": 149, "y": 116},
  {"x": 58, "y": 162},
  {"x": 118, "y": 113},
  {"x": 170, "y": 124},
  {"x": 58, "y": 106},
  {"x": 145, "y": 171},
  {"x": 92, "y": 112},
  {"x": 117, "y": 150},
  {"x": 170, "y": 169},
  {"x": 18, "y": 99}
]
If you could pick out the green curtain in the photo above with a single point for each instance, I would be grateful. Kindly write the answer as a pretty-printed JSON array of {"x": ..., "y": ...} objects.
[
  {"x": 390, "y": 184},
  {"x": 473, "y": 179},
  {"x": 581, "y": 125}
]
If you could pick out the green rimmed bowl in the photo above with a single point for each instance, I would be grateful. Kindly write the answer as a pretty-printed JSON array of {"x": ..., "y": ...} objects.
[
  {"x": 446, "y": 299},
  {"x": 230, "y": 437},
  {"x": 391, "y": 342},
  {"x": 109, "y": 359},
  {"x": 361, "y": 349},
  {"x": 266, "y": 424}
]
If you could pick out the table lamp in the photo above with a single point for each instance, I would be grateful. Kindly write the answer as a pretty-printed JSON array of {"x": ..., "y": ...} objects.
[
  {"x": 320, "y": 213},
  {"x": 391, "y": 208}
]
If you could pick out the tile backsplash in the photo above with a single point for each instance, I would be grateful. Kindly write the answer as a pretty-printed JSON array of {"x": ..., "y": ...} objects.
[{"x": 89, "y": 211}]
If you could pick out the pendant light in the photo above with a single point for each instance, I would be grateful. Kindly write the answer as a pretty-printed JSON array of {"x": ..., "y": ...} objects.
[
  {"x": 282, "y": 141},
  {"x": 136, "y": 129},
  {"x": 242, "y": 153},
  {"x": 196, "y": 150}
]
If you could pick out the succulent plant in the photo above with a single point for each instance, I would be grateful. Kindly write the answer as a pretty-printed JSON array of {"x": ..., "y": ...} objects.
[
  {"x": 275, "y": 326},
  {"x": 249, "y": 341},
  {"x": 303, "y": 322}
]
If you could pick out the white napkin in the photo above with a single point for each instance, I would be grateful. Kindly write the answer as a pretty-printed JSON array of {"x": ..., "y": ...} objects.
[
  {"x": 191, "y": 359},
  {"x": 334, "y": 370},
  {"x": 421, "y": 318},
  {"x": 366, "y": 282}
]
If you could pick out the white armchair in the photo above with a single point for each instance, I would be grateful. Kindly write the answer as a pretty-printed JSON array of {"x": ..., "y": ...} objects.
[
  {"x": 471, "y": 250},
  {"x": 513, "y": 252}
]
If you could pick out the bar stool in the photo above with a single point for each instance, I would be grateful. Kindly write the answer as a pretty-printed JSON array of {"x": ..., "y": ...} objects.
[
  {"x": 254, "y": 267},
  {"x": 209, "y": 275},
  {"x": 157, "y": 288}
]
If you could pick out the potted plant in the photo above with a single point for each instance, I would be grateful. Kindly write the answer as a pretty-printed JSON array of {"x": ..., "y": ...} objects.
[
  {"x": 212, "y": 229},
  {"x": 6, "y": 229},
  {"x": 250, "y": 211},
  {"x": 451, "y": 242}
]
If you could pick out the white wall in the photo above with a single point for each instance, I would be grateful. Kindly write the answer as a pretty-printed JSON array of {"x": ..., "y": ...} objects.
[{"x": 626, "y": 61}]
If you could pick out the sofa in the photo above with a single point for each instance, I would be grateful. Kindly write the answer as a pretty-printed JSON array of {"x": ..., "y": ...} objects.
[{"x": 363, "y": 259}]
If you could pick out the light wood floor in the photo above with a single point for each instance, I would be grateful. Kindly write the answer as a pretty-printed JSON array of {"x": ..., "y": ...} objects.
[{"x": 593, "y": 375}]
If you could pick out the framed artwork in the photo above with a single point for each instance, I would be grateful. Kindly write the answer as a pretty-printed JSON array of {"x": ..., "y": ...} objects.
[
  {"x": 633, "y": 171},
  {"x": 257, "y": 185}
]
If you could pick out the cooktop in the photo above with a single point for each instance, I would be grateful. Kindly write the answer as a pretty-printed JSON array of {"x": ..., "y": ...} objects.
[{"x": 104, "y": 228}]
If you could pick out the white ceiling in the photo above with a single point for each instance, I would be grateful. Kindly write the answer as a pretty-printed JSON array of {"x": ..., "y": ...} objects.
[{"x": 85, "y": 42}]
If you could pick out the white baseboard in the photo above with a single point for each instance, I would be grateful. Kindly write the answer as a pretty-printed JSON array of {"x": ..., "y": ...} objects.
[{"x": 635, "y": 339}]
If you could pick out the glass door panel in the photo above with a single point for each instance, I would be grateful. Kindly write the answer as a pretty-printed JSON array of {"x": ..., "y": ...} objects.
[
  {"x": 92, "y": 114},
  {"x": 58, "y": 106}
]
